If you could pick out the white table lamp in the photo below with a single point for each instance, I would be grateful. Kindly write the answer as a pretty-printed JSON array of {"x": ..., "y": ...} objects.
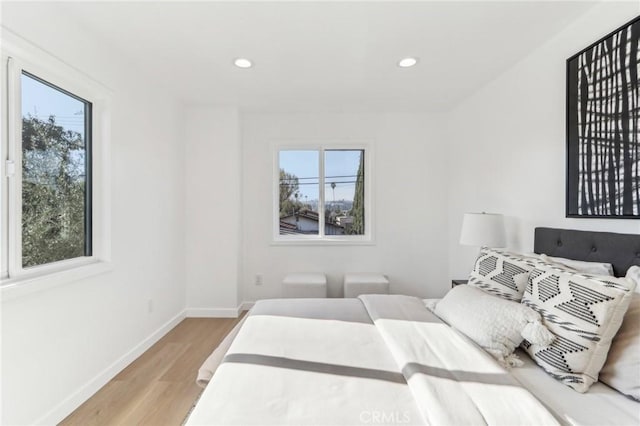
[{"x": 483, "y": 229}]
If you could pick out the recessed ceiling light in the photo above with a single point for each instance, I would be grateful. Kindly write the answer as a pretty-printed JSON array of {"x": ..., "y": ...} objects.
[
  {"x": 242, "y": 63},
  {"x": 407, "y": 62}
]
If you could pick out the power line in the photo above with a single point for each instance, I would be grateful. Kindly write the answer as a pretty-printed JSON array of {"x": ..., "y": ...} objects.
[
  {"x": 327, "y": 183},
  {"x": 326, "y": 177}
]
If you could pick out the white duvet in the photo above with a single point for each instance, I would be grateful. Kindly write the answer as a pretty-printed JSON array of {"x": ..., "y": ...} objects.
[
  {"x": 391, "y": 363},
  {"x": 454, "y": 381}
]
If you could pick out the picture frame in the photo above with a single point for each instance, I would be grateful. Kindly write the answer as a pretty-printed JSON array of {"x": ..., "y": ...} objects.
[{"x": 603, "y": 127}]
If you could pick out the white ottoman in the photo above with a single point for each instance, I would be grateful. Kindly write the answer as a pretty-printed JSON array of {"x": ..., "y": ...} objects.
[
  {"x": 305, "y": 285},
  {"x": 359, "y": 283}
]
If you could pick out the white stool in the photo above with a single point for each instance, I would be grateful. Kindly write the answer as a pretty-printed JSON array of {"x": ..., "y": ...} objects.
[
  {"x": 356, "y": 284},
  {"x": 305, "y": 285}
]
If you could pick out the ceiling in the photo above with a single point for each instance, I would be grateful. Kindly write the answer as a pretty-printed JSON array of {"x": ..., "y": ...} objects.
[{"x": 325, "y": 55}]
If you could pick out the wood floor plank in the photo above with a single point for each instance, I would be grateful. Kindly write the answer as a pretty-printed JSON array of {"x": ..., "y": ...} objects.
[
  {"x": 149, "y": 365},
  {"x": 165, "y": 409},
  {"x": 186, "y": 366},
  {"x": 159, "y": 387}
]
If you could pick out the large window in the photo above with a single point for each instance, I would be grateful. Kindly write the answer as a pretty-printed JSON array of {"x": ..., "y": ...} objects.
[
  {"x": 54, "y": 197},
  {"x": 56, "y": 173},
  {"x": 322, "y": 194}
]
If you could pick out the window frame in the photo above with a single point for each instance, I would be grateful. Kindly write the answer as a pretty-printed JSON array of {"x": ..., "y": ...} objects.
[
  {"x": 17, "y": 56},
  {"x": 321, "y": 239}
]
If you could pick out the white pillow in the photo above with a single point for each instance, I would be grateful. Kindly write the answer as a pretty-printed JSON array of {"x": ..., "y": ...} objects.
[
  {"x": 596, "y": 268},
  {"x": 584, "y": 312},
  {"x": 497, "y": 325},
  {"x": 633, "y": 273},
  {"x": 621, "y": 371},
  {"x": 501, "y": 273}
]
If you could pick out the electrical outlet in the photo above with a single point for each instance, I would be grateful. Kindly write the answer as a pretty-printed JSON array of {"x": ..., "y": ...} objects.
[
  {"x": 150, "y": 305},
  {"x": 258, "y": 279}
]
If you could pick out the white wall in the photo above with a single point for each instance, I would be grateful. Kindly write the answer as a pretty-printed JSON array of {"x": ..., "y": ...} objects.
[
  {"x": 58, "y": 344},
  {"x": 409, "y": 189},
  {"x": 507, "y": 143},
  {"x": 191, "y": 202},
  {"x": 213, "y": 215}
]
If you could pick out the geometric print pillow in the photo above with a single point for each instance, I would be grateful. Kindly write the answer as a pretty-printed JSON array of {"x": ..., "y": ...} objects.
[
  {"x": 584, "y": 312},
  {"x": 501, "y": 273}
]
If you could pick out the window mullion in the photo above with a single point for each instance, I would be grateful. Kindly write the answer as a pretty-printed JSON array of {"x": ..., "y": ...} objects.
[{"x": 321, "y": 214}]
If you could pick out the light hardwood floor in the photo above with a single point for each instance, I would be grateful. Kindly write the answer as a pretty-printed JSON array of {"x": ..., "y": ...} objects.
[{"x": 159, "y": 387}]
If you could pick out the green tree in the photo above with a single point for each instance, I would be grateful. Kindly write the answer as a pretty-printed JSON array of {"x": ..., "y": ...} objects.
[
  {"x": 357, "y": 209},
  {"x": 289, "y": 194},
  {"x": 53, "y": 192}
]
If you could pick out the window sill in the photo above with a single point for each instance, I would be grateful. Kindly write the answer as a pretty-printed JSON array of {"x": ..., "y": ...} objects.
[
  {"x": 322, "y": 242},
  {"x": 13, "y": 288}
]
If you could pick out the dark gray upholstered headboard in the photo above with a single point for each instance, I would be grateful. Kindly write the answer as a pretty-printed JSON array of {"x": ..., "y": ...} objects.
[{"x": 621, "y": 250}]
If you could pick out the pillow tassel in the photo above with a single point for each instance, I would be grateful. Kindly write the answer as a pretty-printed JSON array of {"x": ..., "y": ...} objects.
[
  {"x": 536, "y": 333},
  {"x": 512, "y": 360}
]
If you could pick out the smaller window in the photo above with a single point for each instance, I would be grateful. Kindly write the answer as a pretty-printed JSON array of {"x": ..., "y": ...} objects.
[{"x": 322, "y": 194}]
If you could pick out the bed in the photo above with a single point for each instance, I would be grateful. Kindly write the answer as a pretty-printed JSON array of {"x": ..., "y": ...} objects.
[{"x": 387, "y": 359}]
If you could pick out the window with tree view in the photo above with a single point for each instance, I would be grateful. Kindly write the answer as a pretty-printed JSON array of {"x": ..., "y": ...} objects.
[
  {"x": 56, "y": 173},
  {"x": 322, "y": 192}
]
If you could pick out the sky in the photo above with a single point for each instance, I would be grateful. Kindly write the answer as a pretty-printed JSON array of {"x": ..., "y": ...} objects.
[
  {"x": 341, "y": 167},
  {"x": 41, "y": 101}
]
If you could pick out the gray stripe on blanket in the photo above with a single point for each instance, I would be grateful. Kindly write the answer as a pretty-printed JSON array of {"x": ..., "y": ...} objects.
[
  {"x": 316, "y": 367},
  {"x": 458, "y": 375}
]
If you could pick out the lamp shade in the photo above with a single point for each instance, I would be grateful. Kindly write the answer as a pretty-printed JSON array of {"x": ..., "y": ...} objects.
[{"x": 483, "y": 229}]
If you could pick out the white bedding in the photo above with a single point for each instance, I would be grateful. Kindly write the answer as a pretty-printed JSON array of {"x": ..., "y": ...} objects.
[
  {"x": 600, "y": 406},
  {"x": 292, "y": 370},
  {"x": 454, "y": 381},
  {"x": 288, "y": 369}
]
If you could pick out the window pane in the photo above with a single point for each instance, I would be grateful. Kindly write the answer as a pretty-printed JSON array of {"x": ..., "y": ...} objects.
[
  {"x": 55, "y": 174},
  {"x": 299, "y": 192},
  {"x": 344, "y": 192}
]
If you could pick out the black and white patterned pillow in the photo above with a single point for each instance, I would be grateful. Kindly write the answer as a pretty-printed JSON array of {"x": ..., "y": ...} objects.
[
  {"x": 584, "y": 312},
  {"x": 501, "y": 273}
]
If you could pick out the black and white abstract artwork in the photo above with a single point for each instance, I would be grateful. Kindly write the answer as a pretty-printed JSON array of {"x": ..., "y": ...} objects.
[{"x": 603, "y": 127}]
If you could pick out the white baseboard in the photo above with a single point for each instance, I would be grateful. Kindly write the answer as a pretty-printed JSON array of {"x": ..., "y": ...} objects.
[
  {"x": 218, "y": 312},
  {"x": 212, "y": 312},
  {"x": 68, "y": 405}
]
